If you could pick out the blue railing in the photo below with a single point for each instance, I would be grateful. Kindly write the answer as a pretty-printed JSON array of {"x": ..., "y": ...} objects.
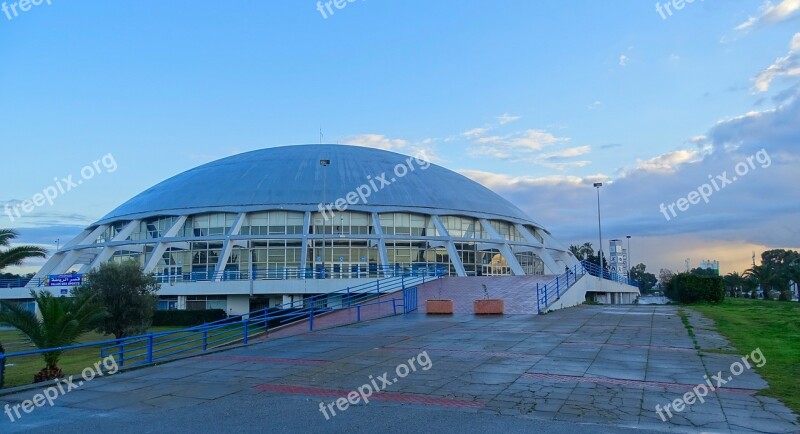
[
  {"x": 20, "y": 282},
  {"x": 329, "y": 271},
  {"x": 595, "y": 270},
  {"x": 551, "y": 291},
  {"x": 153, "y": 347}
]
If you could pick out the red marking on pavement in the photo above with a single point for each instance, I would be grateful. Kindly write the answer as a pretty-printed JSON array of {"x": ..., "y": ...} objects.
[
  {"x": 324, "y": 335},
  {"x": 381, "y": 396},
  {"x": 268, "y": 360},
  {"x": 508, "y": 331},
  {"x": 635, "y": 383},
  {"x": 657, "y": 347},
  {"x": 477, "y": 353}
]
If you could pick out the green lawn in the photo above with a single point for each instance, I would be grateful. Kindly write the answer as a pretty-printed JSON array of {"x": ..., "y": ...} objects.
[
  {"x": 772, "y": 326},
  {"x": 20, "y": 370}
]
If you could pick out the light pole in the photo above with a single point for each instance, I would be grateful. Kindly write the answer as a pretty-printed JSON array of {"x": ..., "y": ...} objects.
[
  {"x": 324, "y": 164},
  {"x": 597, "y": 185}
]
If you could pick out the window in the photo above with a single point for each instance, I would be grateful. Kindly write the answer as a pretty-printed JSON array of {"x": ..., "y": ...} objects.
[
  {"x": 405, "y": 224},
  {"x": 460, "y": 227},
  {"x": 205, "y": 302},
  {"x": 273, "y": 223}
]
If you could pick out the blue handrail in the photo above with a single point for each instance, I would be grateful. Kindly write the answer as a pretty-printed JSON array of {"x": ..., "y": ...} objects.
[
  {"x": 552, "y": 291},
  {"x": 145, "y": 349}
]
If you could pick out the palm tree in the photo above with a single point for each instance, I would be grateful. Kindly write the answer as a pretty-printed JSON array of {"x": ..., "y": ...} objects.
[
  {"x": 735, "y": 282},
  {"x": 765, "y": 276},
  {"x": 576, "y": 251},
  {"x": 63, "y": 320},
  {"x": 15, "y": 255}
]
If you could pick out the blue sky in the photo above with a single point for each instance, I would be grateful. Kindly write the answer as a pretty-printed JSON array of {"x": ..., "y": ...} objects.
[{"x": 536, "y": 100}]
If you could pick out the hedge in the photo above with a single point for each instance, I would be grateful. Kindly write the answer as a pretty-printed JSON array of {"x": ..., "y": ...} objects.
[
  {"x": 187, "y": 318},
  {"x": 690, "y": 288}
]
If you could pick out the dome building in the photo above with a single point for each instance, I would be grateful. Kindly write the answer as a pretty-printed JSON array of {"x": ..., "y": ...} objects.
[{"x": 286, "y": 221}]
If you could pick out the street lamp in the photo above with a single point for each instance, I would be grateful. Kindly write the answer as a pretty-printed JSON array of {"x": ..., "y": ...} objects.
[
  {"x": 597, "y": 185},
  {"x": 324, "y": 163},
  {"x": 629, "y": 256}
]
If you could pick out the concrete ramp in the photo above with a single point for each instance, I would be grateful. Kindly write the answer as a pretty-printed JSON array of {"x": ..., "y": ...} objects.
[{"x": 519, "y": 292}]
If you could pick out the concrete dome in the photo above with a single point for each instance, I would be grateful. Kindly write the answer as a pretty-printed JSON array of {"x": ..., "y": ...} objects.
[{"x": 291, "y": 178}]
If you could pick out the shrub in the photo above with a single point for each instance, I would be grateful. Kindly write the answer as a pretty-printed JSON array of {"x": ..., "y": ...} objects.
[
  {"x": 187, "y": 318},
  {"x": 690, "y": 288}
]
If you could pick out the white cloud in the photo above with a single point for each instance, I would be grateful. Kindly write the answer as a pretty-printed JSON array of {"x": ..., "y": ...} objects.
[
  {"x": 504, "y": 182},
  {"x": 623, "y": 60},
  {"x": 424, "y": 148},
  {"x": 595, "y": 105},
  {"x": 506, "y": 118},
  {"x": 475, "y": 132},
  {"x": 378, "y": 141},
  {"x": 786, "y": 66},
  {"x": 668, "y": 162},
  {"x": 568, "y": 152},
  {"x": 770, "y": 14}
]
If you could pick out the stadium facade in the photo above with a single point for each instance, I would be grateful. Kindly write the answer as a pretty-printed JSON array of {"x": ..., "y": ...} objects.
[{"x": 282, "y": 223}]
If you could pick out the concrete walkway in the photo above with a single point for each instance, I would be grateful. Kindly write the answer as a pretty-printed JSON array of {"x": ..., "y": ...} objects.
[{"x": 589, "y": 369}]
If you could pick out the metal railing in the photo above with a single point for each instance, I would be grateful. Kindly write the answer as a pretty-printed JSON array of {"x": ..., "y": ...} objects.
[
  {"x": 594, "y": 270},
  {"x": 329, "y": 271},
  {"x": 551, "y": 291},
  {"x": 146, "y": 349}
]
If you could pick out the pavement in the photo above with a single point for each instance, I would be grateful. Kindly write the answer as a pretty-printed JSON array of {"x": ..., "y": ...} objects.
[{"x": 589, "y": 369}]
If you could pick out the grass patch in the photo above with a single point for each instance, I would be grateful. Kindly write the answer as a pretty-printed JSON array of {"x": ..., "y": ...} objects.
[
  {"x": 19, "y": 371},
  {"x": 772, "y": 326}
]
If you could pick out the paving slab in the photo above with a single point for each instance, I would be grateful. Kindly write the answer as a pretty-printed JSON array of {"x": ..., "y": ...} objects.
[{"x": 591, "y": 369}]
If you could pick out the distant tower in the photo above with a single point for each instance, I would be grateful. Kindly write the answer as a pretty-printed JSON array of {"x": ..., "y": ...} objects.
[
  {"x": 710, "y": 265},
  {"x": 618, "y": 258}
]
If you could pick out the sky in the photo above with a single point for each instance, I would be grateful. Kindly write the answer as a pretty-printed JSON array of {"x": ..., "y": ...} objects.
[{"x": 689, "y": 116}]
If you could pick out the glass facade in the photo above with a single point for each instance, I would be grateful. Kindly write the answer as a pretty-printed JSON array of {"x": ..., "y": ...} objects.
[{"x": 276, "y": 244}]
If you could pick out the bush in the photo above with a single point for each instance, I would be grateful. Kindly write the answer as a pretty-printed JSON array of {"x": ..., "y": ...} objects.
[
  {"x": 689, "y": 288},
  {"x": 187, "y": 318},
  {"x": 786, "y": 295}
]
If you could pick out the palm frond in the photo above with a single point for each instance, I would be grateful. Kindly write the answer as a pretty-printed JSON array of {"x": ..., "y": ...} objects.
[
  {"x": 6, "y": 235},
  {"x": 16, "y": 255}
]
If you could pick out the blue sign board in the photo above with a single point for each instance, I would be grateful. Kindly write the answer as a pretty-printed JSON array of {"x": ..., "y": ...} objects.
[{"x": 65, "y": 279}]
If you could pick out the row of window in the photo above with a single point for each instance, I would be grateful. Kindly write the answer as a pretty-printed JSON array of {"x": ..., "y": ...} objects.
[{"x": 292, "y": 223}]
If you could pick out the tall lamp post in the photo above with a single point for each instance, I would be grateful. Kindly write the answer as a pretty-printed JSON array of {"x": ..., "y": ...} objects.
[
  {"x": 597, "y": 185},
  {"x": 324, "y": 164},
  {"x": 630, "y": 264}
]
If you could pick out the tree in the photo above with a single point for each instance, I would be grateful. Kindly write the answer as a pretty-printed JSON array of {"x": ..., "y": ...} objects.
[
  {"x": 16, "y": 255},
  {"x": 665, "y": 275},
  {"x": 735, "y": 284},
  {"x": 62, "y": 321},
  {"x": 576, "y": 252},
  {"x": 764, "y": 275},
  {"x": 708, "y": 272},
  {"x": 583, "y": 251},
  {"x": 126, "y": 292},
  {"x": 646, "y": 280}
]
